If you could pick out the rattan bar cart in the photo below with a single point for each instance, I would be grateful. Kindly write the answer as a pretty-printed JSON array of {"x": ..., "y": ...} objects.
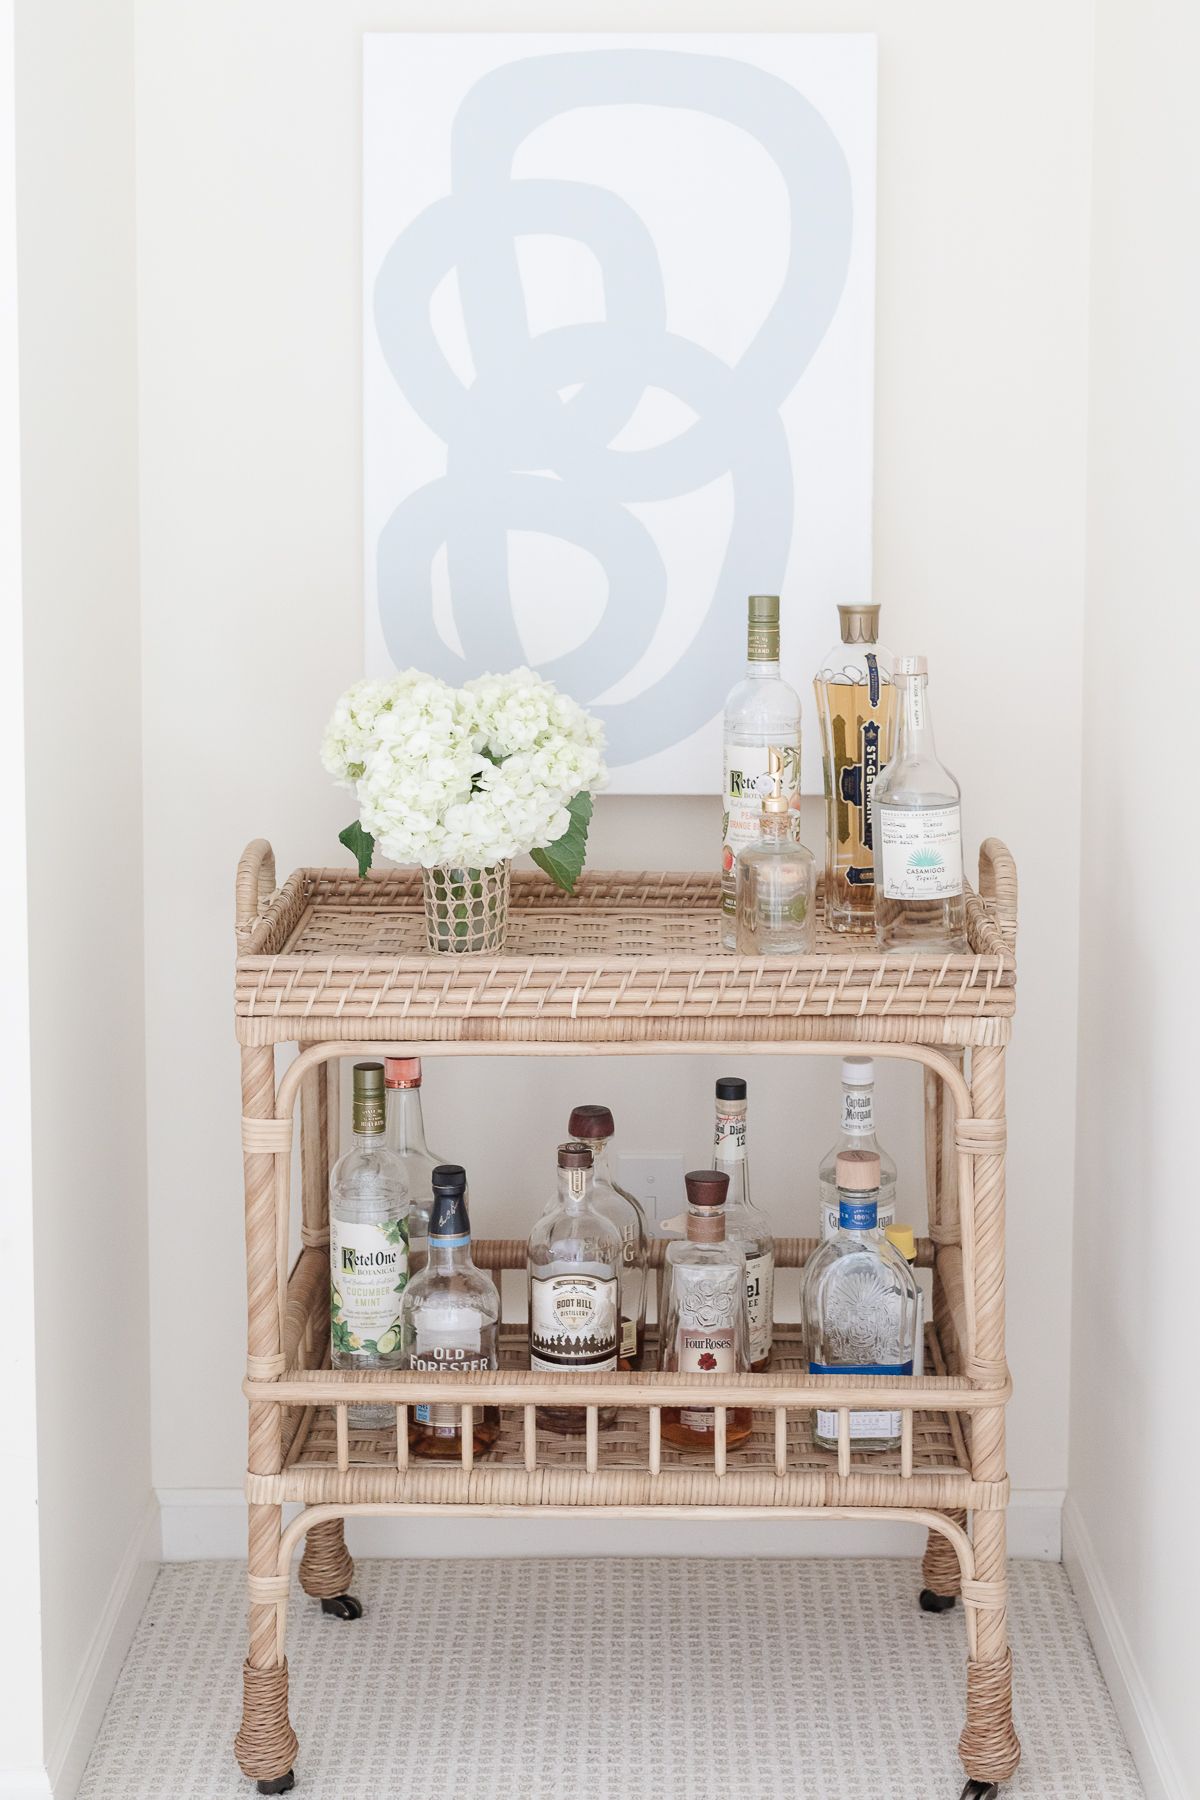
[{"x": 630, "y": 966}]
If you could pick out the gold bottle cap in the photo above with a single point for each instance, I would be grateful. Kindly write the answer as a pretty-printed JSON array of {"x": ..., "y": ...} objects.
[
  {"x": 762, "y": 639},
  {"x": 775, "y": 804},
  {"x": 860, "y": 624}
]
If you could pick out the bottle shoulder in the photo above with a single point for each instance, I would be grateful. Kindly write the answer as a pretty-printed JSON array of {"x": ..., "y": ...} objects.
[
  {"x": 583, "y": 1234},
  {"x": 361, "y": 1172},
  {"x": 916, "y": 781},
  {"x": 851, "y": 1259},
  {"x": 447, "y": 1290},
  {"x": 760, "y": 703},
  {"x": 683, "y": 1253}
]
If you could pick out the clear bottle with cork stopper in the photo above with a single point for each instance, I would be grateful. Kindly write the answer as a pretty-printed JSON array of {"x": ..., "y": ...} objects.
[
  {"x": 776, "y": 882},
  {"x": 574, "y": 1286},
  {"x": 705, "y": 1330},
  {"x": 406, "y": 1136},
  {"x": 761, "y": 713},
  {"x": 859, "y": 1300},
  {"x": 856, "y": 716},
  {"x": 594, "y": 1126}
]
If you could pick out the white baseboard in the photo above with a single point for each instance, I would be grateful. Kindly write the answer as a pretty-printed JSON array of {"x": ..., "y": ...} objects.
[
  {"x": 210, "y": 1523},
  {"x": 102, "y": 1663},
  {"x": 1159, "y": 1771},
  {"x": 25, "y": 1784}
]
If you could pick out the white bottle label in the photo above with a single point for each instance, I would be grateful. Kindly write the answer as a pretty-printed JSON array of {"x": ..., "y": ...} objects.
[
  {"x": 921, "y": 848},
  {"x": 831, "y": 1215},
  {"x": 730, "y": 1141},
  {"x": 573, "y": 1322},
  {"x": 369, "y": 1272},
  {"x": 706, "y": 1336},
  {"x": 858, "y": 1111},
  {"x": 447, "y": 1343},
  {"x": 747, "y": 782},
  {"x": 862, "y": 1424},
  {"x": 760, "y": 1302}
]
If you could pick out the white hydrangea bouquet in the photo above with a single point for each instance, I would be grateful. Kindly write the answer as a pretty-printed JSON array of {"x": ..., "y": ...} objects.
[{"x": 461, "y": 780}]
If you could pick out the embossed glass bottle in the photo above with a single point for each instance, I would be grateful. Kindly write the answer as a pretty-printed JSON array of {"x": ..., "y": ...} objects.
[
  {"x": 854, "y": 696},
  {"x": 704, "y": 1327},
  {"x": 919, "y": 902},
  {"x": 593, "y": 1125},
  {"x": 858, "y": 1133},
  {"x": 762, "y": 711},
  {"x": 406, "y": 1136},
  {"x": 574, "y": 1287},
  {"x": 450, "y": 1322},
  {"x": 744, "y": 1223},
  {"x": 860, "y": 1305},
  {"x": 368, "y": 1246},
  {"x": 776, "y": 882}
]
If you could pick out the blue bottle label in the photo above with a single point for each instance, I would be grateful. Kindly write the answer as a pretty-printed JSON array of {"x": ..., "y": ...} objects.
[{"x": 857, "y": 1215}]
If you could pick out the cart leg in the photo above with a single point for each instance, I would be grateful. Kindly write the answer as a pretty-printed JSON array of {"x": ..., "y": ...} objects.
[
  {"x": 989, "y": 1747},
  {"x": 265, "y": 1746},
  {"x": 941, "y": 1574},
  {"x": 327, "y": 1569}
]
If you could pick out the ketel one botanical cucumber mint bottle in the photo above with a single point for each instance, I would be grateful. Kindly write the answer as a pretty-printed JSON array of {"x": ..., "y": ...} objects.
[
  {"x": 574, "y": 1265},
  {"x": 762, "y": 713},
  {"x": 450, "y": 1322},
  {"x": 368, "y": 1246}
]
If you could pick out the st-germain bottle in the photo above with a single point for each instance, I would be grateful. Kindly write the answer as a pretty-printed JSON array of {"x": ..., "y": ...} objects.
[
  {"x": 368, "y": 1246},
  {"x": 919, "y": 901},
  {"x": 762, "y": 711},
  {"x": 859, "y": 1299},
  {"x": 450, "y": 1322},
  {"x": 704, "y": 1327},
  {"x": 854, "y": 708},
  {"x": 574, "y": 1293},
  {"x": 406, "y": 1136},
  {"x": 745, "y": 1225},
  {"x": 857, "y": 1133},
  {"x": 593, "y": 1125}
]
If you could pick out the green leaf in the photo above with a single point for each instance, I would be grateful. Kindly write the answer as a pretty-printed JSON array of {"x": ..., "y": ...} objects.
[
  {"x": 563, "y": 859},
  {"x": 360, "y": 844}
]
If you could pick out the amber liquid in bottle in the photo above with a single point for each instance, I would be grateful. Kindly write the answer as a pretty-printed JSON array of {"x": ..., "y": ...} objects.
[
  {"x": 445, "y": 1445},
  {"x": 705, "y": 1329},
  {"x": 856, "y": 712}
]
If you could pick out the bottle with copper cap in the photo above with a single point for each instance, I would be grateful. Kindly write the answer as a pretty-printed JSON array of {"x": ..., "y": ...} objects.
[
  {"x": 705, "y": 1329},
  {"x": 593, "y": 1125},
  {"x": 856, "y": 715},
  {"x": 574, "y": 1286},
  {"x": 406, "y": 1137},
  {"x": 920, "y": 903},
  {"x": 744, "y": 1223},
  {"x": 859, "y": 1301},
  {"x": 776, "y": 881},
  {"x": 762, "y": 714}
]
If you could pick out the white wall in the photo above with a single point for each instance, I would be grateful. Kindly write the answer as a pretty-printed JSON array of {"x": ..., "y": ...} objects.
[
  {"x": 249, "y": 296},
  {"x": 1134, "y": 1460},
  {"x": 77, "y": 314}
]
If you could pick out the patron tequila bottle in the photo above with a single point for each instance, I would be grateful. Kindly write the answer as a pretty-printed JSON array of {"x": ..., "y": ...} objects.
[
  {"x": 854, "y": 708},
  {"x": 860, "y": 1305},
  {"x": 704, "y": 1329},
  {"x": 574, "y": 1286},
  {"x": 450, "y": 1322},
  {"x": 406, "y": 1136},
  {"x": 776, "y": 882},
  {"x": 368, "y": 1246},
  {"x": 593, "y": 1125},
  {"x": 919, "y": 902},
  {"x": 762, "y": 711},
  {"x": 745, "y": 1225},
  {"x": 858, "y": 1133}
]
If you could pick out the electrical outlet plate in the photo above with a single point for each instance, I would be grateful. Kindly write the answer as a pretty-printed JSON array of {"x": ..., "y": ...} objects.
[{"x": 657, "y": 1181}]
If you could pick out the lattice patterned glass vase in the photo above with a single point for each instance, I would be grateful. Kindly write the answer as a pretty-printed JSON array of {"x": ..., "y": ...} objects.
[{"x": 466, "y": 909}]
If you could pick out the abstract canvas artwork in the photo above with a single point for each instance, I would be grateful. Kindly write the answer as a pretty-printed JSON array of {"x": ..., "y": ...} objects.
[{"x": 618, "y": 365}]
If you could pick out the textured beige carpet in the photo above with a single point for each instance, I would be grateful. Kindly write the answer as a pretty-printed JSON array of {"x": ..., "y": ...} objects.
[{"x": 609, "y": 1680}]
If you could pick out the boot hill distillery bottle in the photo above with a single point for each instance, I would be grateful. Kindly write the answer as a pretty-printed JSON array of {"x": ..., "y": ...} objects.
[
  {"x": 762, "y": 711},
  {"x": 406, "y": 1136},
  {"x": 574, "y": 1286},
  {"x": 704, "y": 1328},
  {"x": 593, "y": 1125},
  {"x": 450, "y": 1322},
  {"x": 919, "y": 901},
  {"x": 744, "y": 1224},
  {"x": 855, "y": 710},
  {"x": 368, "y": 1246}
]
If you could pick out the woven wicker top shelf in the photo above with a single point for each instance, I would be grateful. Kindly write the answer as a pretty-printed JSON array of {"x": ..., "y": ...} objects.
[{"x": 629, "y": 958}]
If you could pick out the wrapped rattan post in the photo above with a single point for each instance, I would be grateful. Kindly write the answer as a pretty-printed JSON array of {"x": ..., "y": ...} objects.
[{"x": 327, "y": 1567}]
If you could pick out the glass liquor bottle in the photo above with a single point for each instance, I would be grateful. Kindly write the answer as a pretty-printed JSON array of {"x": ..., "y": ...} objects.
[
  {"x": 762, "y": 711},
  {"x": 745, "y": 1225},
  {"x": 368, "y": 1246},
  {"x": 919, "y": 902},
  {"x": 704, "y": 1328},
  {"x": 593, "y": 1125},
  {"x": 574, "y": 1275},
  {"x": 450, "y": 1322},
  {"x": 860, "y": 1306},
  {"x": 858, "y": 1133},
  {"x": 776, "y": 882},
  {"x": 855, "y": 710},
  {"x": 406, "y": 1136},
  {"x": 903, "y": 1238}
]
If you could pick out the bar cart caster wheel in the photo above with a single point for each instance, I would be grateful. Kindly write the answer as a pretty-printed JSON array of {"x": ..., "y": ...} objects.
[
  {"x": 282, "y": 1784},
  {"x": 342, "y": 1606},
  {"x": 981, "y": 1790},
  {"x": 937, "y": 1603}
]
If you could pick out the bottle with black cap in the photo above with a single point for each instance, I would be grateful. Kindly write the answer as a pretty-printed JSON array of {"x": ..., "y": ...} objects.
[
  {"x": 593, "y": 1125},
  {"x": 574, "y": 1286},
  {"x": 704, "y": 1326},
  {"x": 744, "y": 1223},
  {"x": 450, "y": 1322}
]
